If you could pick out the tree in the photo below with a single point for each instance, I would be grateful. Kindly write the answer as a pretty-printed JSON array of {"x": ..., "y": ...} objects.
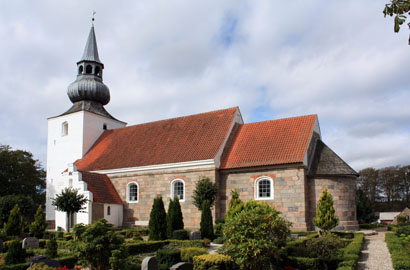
[
  {"x": 97, "y": 243},
  {"x": 404, "y": 176},
  {"x": 14, "y": 225},
  {"x": 235, "y": 204},
  {"x": 157, "y": 226},
  {"x": 388, "y": 178},
  {"x": 69, "y": 201},
  {"x": 368, "y": 181},
  {"x": 398, "y": 9},
  {"x": 364, "y": 209},
  {"x": 20, "y": 174},
  {"x": 204, "y": 190},
  {"x": 206, "y": 225},
  {"x": 38, "y": 227},
  {"x": 254, "y": 235},
  {"x": 174, "y": 217},
  {"x": 326, "y": 218},
  {"x": 15, "y": 253},
  {"x": 26, "y": 204}
]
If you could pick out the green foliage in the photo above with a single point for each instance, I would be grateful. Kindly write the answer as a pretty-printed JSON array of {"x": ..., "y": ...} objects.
[
  {"x": 364, "y": 209},
  {"x": 40, "y": 266},
  {"x": 51, "y": 247},
  {"x": 21, "y": 175},
  {"x": 174, "y": 217},
  {"x": 118, "y": 259},
  {"x": 218, "y": 227},
  {"x": 69, "y": 201},
  {"x": 78, "y": 230},
  {"x": 204, "y": 190},
  {"x": 207, "y": 229},
  {"x": 397, "y": 8},
  {"x": 186, "y": 243},
  {"x": 326, "y": 218},
  {"x": 145, "y": 247},
  {"x": 401, "y": 220},
  {"x": 180, "y": 235},
  {"x": 97, "y": 243},
  {"x": 39, "y": 225},
  {"x": 399, "y": 253},
  {"x": 168, "y": 257},
  {"x": 68, "y": 261},
  {"x": 305, "y": 263},
  {"x": 255, "y": 234},
  {"x": 19, "y": 266},
  {"x": 235, "y": 205},
  {"x": 14, "y": 225},
  {"x": 15, "y": 253},
  {"x": 25, "y": 203},
  {"x": 212, "y": 262},
  {"x": 157, "y": 221},
  {"x": 187, "y": 254},
  {"x": 403, "y": 230},
  {"x": 324, "y": 248}
]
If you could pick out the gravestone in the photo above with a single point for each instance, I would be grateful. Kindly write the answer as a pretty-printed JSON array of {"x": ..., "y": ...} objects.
[
  {"x": 294, "y": 236},
  {"x": 182, "y": 266},
  {"x": 149, "y": 263},
  {"x": 1, "y": 246},
  {"x": 195, "y": 235},
  {"x": 30, "y": 242}
]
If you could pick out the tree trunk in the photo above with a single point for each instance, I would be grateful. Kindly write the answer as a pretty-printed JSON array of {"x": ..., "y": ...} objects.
[{"x": 68, "y": 222}]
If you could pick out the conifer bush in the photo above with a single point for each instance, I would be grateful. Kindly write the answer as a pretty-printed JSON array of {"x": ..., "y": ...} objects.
[
  {"x": 205, "y": 189},
  {"x": 174, "y": 217},
  {"x": 157, "y": 226},
  {"x": 51, "y": 247},
  {"x": 206, "y": 226},
  {"x": 39, "y": 225},
  {"x": 14, "y": 224},
  {"x": 235, "y": 205},
  {"x": 326, "y": 218},
  {"x": 15, "y": 253}
]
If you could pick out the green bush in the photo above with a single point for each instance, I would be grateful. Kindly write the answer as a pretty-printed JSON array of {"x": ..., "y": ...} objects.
[
  {"x": 15, "y": 253},
  {"x": 157, "y": 221},
  {"x": 351, "y": 253},
  {"x": 403, "y": 230},
  {"x": 399, "y": 253},
  {"x": 40, "y": 266},
  {"x": 134, "y": 232},
  {"x": 180, "y": 235},
  {"x": 187, "y": 254},
  {"x": 14, "y": 225},
  {"x": 324, "y": 248},
  {"x": 305, "y": 263},
  {"x": 168, "y": 257},
  {"x": 174, "y": 217},
  {"x": 205, "y": 189},
  {"x": 325, "y": 218},
  {"x": 220, "y": 240},
  {"x": 186, "y": 243},
  {"x": 207, "y": 229},
  {"x": 372, "y": 226},
  {"x": 118, "y": 259},
  {"x": 51, "y": 248},
  {"x": 212, "y": 261},
  {"x": 39, "y": 225},
  {"x": 401, "y": 220},
  {"x": 20, "y": 266},
  {"x": 145, "y": 247},
  {"x": 68, "y": 261}
]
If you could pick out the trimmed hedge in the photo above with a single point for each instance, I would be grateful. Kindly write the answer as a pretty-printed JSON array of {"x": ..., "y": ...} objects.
[
  {"x": 180, "y": 235},
  {"x": 168, "y": 257},
  {"x": 371, "y": 226},
  {"x": 351, "y": 253},
  {"x": 399, "y": 253},
  {"x": 145, "y": 247},
  {"x": 20, "y": 266},
  {"x": 212, "y": 261},
  {"x": 134, "y": 232},
  {"x": 305, "y": 263},
  {"x": 187, "y": 254}
]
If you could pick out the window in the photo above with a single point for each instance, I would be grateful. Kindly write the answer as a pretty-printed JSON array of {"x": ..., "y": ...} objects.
[
  {"x": 104, "y": 126},
  {"x": 88, "y": 69},
  {"x": 80, "y": 69},
  {"x": 264, "y": 188},
  {"x": 132, "y": 192},
  {"x": 64, "y": 129},
  {"x": 178, "y": 189},
  {"x": 97, "y": 71},
  {"x": 108, "y": 210}
]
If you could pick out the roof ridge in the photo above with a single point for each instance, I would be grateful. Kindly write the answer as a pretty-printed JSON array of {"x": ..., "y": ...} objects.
[{"x": 279, "y": 119}]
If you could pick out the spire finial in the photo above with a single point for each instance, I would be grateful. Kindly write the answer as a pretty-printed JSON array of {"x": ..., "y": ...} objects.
[{"x": 93, "y": 19}]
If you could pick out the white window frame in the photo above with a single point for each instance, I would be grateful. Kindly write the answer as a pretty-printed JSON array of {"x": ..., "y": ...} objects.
[
  {"x": 64, "y": 129},
  {"x": 257, "y": 181},
  {"x": 172, "y": 188},
  {"x": 128, "y": 192}
]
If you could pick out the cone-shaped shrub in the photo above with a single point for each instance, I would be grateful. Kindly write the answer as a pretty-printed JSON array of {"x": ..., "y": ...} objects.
[
  {"x": 39, "y": 225},
  {"x": 235, "y": 205},
  {"x": 326, "y": 218},
  {"x": 51, "y": 247},
  {"x": 207, "y": 229},
  {"x": 174, "y": 217},
  {"x": 15, "y": 254},
  {"x": 14, "y": 224},
  {"x": 157, "y": 227}
]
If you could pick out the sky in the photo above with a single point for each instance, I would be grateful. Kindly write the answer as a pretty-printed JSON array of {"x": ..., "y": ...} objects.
[{"x": 274, "y": 59}]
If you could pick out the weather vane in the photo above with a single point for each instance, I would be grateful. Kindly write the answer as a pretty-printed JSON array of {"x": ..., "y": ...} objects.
[{"x": 93, "y": 19}]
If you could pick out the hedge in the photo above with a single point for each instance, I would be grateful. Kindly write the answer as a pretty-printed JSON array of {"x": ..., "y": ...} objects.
[
  {"x": 145, "y": 247},
  {"x": 399, "y": 253},
  {"x": 212, "y": 261},
  {"x": 187, "y": 254},
  {"x": 351, "y": 253},
  {"x": 169, "y": 257},
  {"x": 371, "y": 226},
  {"x": 180, "y": 235},
  {"x": 20, "y": 266},
  {"x": 305, "y": 263}
]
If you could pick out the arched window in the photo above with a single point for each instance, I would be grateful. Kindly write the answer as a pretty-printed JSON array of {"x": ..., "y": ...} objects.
[
  {"x": 88, "y": 69},
  {"x": 64, "y": 129},
  {"x": 97, "y": 71},
  {"x": 178, "y": 189},
  {"x": 80, "y": 69},
  {"x": 104, "y": 126},
  {"x": 264, "y": 188},
  {"x": 132, "y": 192}
]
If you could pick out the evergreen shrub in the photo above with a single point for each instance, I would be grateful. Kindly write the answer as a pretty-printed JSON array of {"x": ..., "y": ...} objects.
[
  {"x": 187, "y": 254},
  {"x": 212, "y": 261},
  {"x": 180, "y": 235},
  {"x": 157, "y": 221},
  {"x": 326, "y": 218},
  {"x": 14, "y": 225},
  {"x": 15, "y": 253},
  {"x": 174, "y": 217},
  {"x": 205, "y": 189},
  {"x": 39, "y": 225},
  {"x": 207, "y": 229},
  {"x": 19, "y": 266},
  {"x": 68, "y": 261},
  {"x": 403, "y": 230},
  {"x": 145, "y": 247},
  {"x": 399, "y": 253},
  {"x": 168, "y": 257},
  {"x": 51, "y": 247}
]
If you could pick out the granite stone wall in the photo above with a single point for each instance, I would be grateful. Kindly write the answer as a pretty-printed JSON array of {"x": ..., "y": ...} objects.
[
  {"x": 290, "y": 195},
  {"x": 343, "y": 190},
  {"x": 159, "y": 183}
]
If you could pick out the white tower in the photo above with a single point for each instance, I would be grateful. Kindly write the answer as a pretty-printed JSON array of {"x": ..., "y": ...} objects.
[{"x": 71, "y": 134}]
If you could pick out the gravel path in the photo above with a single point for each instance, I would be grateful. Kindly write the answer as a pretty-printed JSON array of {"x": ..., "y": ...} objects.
[{"x": 375, "y": 255}]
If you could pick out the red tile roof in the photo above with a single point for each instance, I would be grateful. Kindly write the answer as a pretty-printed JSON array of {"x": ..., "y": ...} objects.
[
  {"x": 275, "y": 142},
  {"x": 101, "y": 187},
  {"x": 189, "y": 138}
]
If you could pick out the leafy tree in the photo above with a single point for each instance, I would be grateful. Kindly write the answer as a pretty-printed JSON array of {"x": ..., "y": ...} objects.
[
  {"x": 399, "y": 9},
  {"x": 365, "y": 213},
  {"x": 204, "y": 190},
  {"x": 326, "y": 218},
  {"x": 38, "y": 227},
  {"x": 254, "y": 235},
  {"x": 404, "y": 176},
  {"x": 20, "y": 174},
  {"x": 97, "y": 243},
  {"x": 235, "y": 205},
  {"x": 51, "y": 247},
  {"x": 174, "y": 217},
  {"x": 26, "y": 204},
  {"x": 15, "y": 253},
  {"x": 157, "y": 226},
  {"x": 14, "y": 225},
  {"x": 69, "y": 201},
  {"x": 206, "y": 225},
  {"x": 368, "y": 181}
]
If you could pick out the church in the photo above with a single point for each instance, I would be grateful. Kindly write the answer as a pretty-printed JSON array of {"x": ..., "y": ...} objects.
[{"x": 120, "y": 169}]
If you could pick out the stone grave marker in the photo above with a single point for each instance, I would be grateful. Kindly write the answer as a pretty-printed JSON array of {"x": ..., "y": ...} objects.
[
  {"x": 149, "y": 263},
  {"x": 195, "y": 235},
  {"x": 182, "y": 266},
  {"x": 30, "y": 242}
]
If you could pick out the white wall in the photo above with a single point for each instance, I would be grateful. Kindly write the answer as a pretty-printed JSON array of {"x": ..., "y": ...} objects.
[{"x": 116, "y": 215}]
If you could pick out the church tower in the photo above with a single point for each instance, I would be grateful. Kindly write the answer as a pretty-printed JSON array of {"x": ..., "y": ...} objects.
[{"x": 71, "y": 134}]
